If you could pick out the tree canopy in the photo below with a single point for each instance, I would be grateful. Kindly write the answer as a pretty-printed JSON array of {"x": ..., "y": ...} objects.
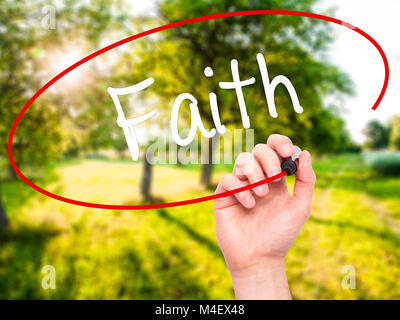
[
  {"x": 377, "y": 135},
  {"x": 293, "y": 46}
]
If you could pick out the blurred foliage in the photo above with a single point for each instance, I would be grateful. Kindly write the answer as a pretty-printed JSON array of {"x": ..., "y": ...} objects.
[
  {"x": 22, "y": 35},
  {"x": 26, "y": 31},
  {"x": 293, "y": 46},
  {"x": 387, "y": 163},
  {"x": 377, "y": 135},
  {"x": 382, "y": 136},
  {"x": 75, "y": 123},
  {"x": 169, "y": 253},
  {"x": 16, "y": 81},
  {"x": 394, "y": 140}
]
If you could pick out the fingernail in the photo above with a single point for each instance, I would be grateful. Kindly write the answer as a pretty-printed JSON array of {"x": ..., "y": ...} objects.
[
  {"x": 250, "y": 201},
  {"x": 274, "y": 170},
  {"x": 287, "y": 149}
]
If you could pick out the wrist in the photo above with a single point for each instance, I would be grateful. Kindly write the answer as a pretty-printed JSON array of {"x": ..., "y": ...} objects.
[
  {"x": 258, "y": 268},
  {"x": 265, "y": 279}
]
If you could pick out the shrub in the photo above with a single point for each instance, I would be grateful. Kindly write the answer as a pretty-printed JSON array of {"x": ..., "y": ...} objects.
[{"x": 387, "y": 163}]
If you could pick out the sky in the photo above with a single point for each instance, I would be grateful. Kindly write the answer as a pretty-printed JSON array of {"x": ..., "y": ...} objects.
[{"x": 358, "y": 57}]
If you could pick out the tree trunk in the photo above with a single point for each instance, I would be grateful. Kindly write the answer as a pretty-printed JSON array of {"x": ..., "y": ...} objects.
[
  {"x": 4, "y": 223},
  {"x": 178, "y": 161},
  {"x": 145, "y": 186},
  {"x": 11, "y": 172},
  {"x": 206, "y": 170}
]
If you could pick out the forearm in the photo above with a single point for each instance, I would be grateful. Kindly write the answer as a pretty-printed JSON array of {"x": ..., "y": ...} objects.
[{"x": 265, "y": 281}]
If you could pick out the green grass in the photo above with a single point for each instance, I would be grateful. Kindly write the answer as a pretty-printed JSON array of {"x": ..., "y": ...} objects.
[{"x": 173, "y": 253}]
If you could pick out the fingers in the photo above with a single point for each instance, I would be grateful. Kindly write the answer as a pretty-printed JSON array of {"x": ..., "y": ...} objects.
[
  {"x": 268, "y": 160},
  {"x": 247, "y": 168},
  {"x": 282, "y": 145},
  {"x": 304, "y": 184},
  {"x": 230, "y": 182},
  {"x": 265, "y": 161}
]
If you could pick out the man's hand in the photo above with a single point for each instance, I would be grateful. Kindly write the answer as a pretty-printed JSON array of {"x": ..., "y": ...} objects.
[{"x": 256, "y": 228}]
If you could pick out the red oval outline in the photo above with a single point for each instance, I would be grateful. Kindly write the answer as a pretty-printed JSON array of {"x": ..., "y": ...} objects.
[{"x": 155, "y": 30}]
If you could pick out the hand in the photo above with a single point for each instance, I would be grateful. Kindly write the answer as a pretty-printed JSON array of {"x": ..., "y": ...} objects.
[{"x": 256, "y": 228}]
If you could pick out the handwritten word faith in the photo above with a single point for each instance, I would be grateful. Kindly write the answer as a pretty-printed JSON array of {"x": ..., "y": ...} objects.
[{"x": 196, "y": 123}]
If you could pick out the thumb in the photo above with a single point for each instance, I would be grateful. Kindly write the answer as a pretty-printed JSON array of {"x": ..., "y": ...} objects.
[{"x": 304, "y": 184}]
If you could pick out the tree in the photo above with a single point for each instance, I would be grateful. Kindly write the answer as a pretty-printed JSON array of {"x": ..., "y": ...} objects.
[
  {"x": 4, "y": 223},
  {"x": 145, "y": 186},
  {"x": 395, "y": 133},
  {"x": 21, "y": 38},
  {"x": 377, "y": 135},
  {"x": 176, "y": 58},
  {"x": 15, "y": 39}
]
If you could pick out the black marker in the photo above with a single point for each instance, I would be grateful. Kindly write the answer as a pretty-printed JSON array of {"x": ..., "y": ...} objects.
[{"x": 289, "y": 164}]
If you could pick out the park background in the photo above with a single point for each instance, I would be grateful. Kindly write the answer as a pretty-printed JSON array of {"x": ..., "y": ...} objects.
[{"x": 68, "y": 142}]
